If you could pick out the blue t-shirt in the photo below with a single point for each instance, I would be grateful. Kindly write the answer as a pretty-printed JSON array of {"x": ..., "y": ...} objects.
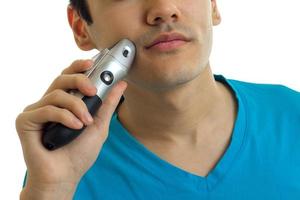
[{"x": 261, "y": 162}]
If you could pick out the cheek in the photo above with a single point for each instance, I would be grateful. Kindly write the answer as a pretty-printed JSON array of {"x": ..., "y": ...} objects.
[
  {"x": 106, "y": 34},
  {"x": 197, "y": 12},
  {"x": 112, "y": 27}
]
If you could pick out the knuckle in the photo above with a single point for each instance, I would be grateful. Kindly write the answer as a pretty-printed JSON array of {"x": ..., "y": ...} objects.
[
  {"x": 79, "y": 79},
  {"x": 76, "y": 103},
  {"x": 82, "y": 76},
  {"x": 19, "y": 119},
  {"x": 27, "y": 108},
  {"x": 18, "y": 122},
  {"x": 72, "y": 66},
  {"x": 64, "y": 114},
  {"x": 75, "y": 63},
  {"x": 58, "y": 79},
  {"x": 64, "y": 71},
  {"x": 56, "y": 93},
  {"x": 55, "y": 113},
  {"x": 48, "y": 109},
  {"x": 86, "y": 80}
]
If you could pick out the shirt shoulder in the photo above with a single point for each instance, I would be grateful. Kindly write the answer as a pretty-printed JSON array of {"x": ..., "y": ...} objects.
[{"x": 275, "y": 97}]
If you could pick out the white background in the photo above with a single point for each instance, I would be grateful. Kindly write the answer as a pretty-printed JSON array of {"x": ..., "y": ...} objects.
[{"x": 257, "y": 41}]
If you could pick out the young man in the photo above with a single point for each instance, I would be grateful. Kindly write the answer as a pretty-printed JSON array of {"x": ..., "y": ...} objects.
[{"x": 180, "y": 133}]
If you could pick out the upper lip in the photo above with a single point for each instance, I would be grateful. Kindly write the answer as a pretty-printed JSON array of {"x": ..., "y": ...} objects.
[{"x": 166, "y": 37}]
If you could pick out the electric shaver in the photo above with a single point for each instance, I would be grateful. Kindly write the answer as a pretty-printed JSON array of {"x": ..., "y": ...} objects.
[{"x": 110, "y": 66}]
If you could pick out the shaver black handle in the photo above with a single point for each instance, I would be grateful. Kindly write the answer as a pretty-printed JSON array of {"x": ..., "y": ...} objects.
[{"x": 56, "y": 135}]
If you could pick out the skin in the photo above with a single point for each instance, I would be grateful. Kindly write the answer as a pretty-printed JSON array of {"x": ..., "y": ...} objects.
[{"x": 172, "y": 104}]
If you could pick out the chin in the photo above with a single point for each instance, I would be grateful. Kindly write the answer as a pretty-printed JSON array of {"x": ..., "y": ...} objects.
[
  {"x": 165, "y": 71},
  {"x": 161, "y": 78}
]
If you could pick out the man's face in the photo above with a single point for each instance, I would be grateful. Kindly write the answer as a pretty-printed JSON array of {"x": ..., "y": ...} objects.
[{"x": 142, "y": 21}]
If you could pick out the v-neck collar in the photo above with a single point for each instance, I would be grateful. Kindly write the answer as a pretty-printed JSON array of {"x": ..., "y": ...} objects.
[{"x": 171, "y": 171}]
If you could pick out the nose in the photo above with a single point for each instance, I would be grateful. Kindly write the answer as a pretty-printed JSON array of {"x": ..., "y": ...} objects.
[{"x": 162, "y": 11}]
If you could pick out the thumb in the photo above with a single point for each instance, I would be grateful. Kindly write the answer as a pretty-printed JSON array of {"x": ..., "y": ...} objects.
[{"x": 104, "y": 114}]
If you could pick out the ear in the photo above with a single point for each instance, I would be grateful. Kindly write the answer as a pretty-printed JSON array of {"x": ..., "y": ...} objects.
[
  {"x": 216, "y": 17},
  {"x": 79, "y": 27}
]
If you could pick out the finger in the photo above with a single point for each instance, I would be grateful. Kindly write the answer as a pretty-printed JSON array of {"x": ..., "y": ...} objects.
[
  {"x": 31, "y": 124},
  {"x": 98, "y": 132},
  {"x": 62, "y": 99},
  {"x": 78, "y": 66},
  {"x": 104, "y": 114},
  {"x": 34, "y": 120},
  {"x": 73, "y": 81}
]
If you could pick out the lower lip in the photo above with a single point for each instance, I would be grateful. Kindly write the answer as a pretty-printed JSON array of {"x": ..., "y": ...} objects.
[{"x": 168, "y": 46}]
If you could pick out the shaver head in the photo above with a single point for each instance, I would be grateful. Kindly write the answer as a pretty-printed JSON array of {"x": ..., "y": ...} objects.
[
  {"x": 111, "y": 65},
  {"x": 124, "y": 52}
]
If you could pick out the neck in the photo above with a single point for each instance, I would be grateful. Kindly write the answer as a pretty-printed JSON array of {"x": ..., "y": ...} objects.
[{"x": 188, "y": 111}]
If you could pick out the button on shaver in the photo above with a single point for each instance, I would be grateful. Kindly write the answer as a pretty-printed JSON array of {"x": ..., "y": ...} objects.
[
  {"x": 125, "y": 53},
  {"x": 107, "y": 77}
]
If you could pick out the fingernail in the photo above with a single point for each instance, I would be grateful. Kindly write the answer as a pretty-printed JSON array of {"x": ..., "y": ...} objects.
[
  {"x": 89, "y": 61},
  {"x": 88, "y": 117},
  {"x": 92, "y": 89},
  {"x": 77, "y": 122}
]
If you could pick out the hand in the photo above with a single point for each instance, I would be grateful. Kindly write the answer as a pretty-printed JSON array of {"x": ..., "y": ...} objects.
[{"x": 62, "y": 168}]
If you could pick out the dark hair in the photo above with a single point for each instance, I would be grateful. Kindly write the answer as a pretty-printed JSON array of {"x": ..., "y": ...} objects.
[{"x": 82, "y": 9}]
